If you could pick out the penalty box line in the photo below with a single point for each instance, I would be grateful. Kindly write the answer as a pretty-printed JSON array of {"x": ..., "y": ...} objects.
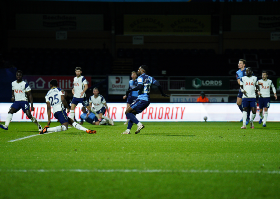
[
  {"x": 26, "y": 137},
  {"x": 135, "y": 171}
]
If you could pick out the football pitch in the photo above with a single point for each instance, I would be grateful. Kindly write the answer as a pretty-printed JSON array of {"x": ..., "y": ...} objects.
[{"x": 166, "y": 160}]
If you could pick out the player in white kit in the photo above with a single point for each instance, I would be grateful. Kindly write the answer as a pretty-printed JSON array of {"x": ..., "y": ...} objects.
[
  {"x": 100, "y": 107},
  {"x": 55, "y": 98},
  {"x": 80, "y": 86},
  {"x": 249, "y": 86},
  {"x": 264, "y": 96},
  {"x": 20, "y": 91}
]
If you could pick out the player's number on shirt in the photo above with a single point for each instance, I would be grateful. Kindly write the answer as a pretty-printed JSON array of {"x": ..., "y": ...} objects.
[
  {"x": 147, "y": 88},
  {"x": 54, "y": 100}
]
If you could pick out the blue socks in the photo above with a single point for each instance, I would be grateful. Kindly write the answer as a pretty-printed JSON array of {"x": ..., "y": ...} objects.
[{"x": 132, "y": 118}]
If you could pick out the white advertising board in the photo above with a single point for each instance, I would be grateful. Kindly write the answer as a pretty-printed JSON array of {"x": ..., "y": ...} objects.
[
  {"x": 117, "y": 84},
  {"x": 156, "y": 112}
]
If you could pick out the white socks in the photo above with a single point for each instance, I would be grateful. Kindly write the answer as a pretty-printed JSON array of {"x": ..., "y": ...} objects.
[
  {"x": 57, "y": 129},
  {"x": 244, "y": 117},
  {"x": 265, "y": 117},
  {"x": 9, "y": 119},
  {"x": 253, "y": 117},
  {"x": 261, "y": 115},
  {"x": 72, "y": 114},
  {"x": 79, "y": 127}
]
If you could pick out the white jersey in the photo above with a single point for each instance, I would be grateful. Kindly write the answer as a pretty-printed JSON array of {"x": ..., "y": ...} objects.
[
  {"x": 265, "y": 88},
  {"x": 79, "y": 84},
  {"x": 20, "y": 89},
  {"x": 54, "y": 97},
  {"x": 98, "y": 102},
  {"x": 249, "y": 85}
]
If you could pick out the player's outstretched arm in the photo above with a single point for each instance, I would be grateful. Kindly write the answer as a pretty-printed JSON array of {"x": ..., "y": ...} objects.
[
  {"x": 138, "y": 87},
  {"x": 30, "y": 97}
]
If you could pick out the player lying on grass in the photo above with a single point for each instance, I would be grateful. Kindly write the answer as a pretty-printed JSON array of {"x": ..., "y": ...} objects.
[
  {"x": 20, "y": 89},
  {"x": 264, "y": 96},
  {"x": 143, "y": 99},
  {"x": 91, "y": 118},
  {"x": 55, "y": 98},
  {"x": 249, "y": 86}
]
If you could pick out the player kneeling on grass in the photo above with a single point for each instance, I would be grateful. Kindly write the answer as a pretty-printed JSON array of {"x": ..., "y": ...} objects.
[
  {"x": 55, "y": 98},
  {"x": 249, "y": 86},
  {"x": 100, "y": 107}
]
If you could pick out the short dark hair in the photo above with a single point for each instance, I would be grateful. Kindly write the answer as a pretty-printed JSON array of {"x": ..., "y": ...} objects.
[
  {"x": 243, "y": 60},
  {"x": 78, "y": 68},
  {"x": 53, "y": 82},
  {"x": 144, "y": 67},
  {"x": 95, "y": 88},
  {"x": 264, "y": 71},
  {"x": 249, "y": 68},
  {"x": 19, "y": 71}
]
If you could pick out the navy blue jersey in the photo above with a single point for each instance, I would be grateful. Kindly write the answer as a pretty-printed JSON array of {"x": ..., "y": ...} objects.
[
  {"x": 146, "y": 81},
  {"x": 133, "y": 84}
]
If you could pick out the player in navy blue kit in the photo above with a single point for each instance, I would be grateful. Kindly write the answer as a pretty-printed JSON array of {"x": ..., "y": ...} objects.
[
  {"x": 239, "y": 74},
  {"x": 143, "y": 100},
  {"x": 132, "y": 96}
]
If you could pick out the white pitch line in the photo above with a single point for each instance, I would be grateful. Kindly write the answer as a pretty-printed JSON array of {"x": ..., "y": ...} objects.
[
  {"x": 30, "y": 136},
  {"x": 136, "y": 171}
]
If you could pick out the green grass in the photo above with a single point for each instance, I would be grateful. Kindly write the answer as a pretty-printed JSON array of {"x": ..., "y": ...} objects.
[{"x": 166, "y": 160}]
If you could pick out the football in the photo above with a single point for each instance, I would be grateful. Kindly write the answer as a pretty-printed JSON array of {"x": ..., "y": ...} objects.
[{"x": 205, "y": 118}]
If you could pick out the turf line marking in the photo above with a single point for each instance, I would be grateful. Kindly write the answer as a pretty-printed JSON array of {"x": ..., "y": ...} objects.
[
  {"x": 135, "y": 171},
  {"x": 30, "y": 136}
]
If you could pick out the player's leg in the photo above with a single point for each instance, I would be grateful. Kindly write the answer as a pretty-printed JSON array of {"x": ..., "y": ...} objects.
[
  {"x": 14, "y": 108},
  {"x": 80, "y": 127},
  {"x": 74, "y": 103},
  {"x": 136, "y": 107},
  {"x": 62, "y": 118},
  {"x": 33, "y": 119},
  {"x": 127, "y": 105},
  {"x": 261, "y": 105},
  {"x": 253, "y": 105},
  {"x": 265, "y": 116},
  {"x": 248, "y": 114},
  {"x": 245, "y": 105},
  {"x": 129, "y": 126},
  {"x": 239, "y": 102}
]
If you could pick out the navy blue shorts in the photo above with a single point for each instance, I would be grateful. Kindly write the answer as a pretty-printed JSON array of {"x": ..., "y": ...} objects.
[
  {"x": 24, "y": 105},
  {"x": 240, "y": 94},
  {"x": 249, "y": 102},
  {"x": 130, "y": 99},
  {"x": 139, "y": 105},
  {"x": 102, "y": 110},
  {"x": 76, "y": 101},
  {"x": 61, "y": 116},
  {"x": 264, "y": 102}
]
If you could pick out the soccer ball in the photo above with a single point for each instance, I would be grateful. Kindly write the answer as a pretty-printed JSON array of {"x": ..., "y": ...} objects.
[{"x": 205, "y": 118}]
